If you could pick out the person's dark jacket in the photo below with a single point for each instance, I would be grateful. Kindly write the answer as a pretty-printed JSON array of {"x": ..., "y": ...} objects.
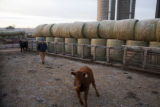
[{"x": 42, "y": 47}]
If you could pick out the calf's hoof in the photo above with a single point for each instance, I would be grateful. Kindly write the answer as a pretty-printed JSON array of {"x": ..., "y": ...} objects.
[{"x": 81, "y": 102}]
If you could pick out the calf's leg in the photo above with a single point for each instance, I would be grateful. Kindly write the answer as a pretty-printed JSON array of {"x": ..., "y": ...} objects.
[
  {"x": 94, "y": 85},
  {"x": 85, "y": 97},
  {"x": 79, "y": 97}
]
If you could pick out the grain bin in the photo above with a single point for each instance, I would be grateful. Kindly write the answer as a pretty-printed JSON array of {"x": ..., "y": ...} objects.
[
  {"x": 61, "y": 30},
  {"x": 146, "y": 30},
  {"x": 38, "y": 30},
  {"x": 124, "y": 29},
  {"x": 59, "y": 47},
  {"x": 158, "y": 31},
  {"x": 76, "y": 30},
  {"x": 47, "y": 30},
  {"x": 106, "y": 29},
  {"x": 100, "y": 52},
  {"x": 154, "y": 59},
  {"x": 91, "y": 29},
  {"x": 115, "y": 54},
  {"x": 68, "y": 46},
  {"x": 86, "y": 50}
]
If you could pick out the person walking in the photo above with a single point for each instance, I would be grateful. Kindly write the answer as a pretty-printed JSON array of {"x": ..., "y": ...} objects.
[{"x": 42, "y": 47}]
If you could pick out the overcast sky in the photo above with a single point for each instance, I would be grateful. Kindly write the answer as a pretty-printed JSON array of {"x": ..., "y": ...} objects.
[{"x": 30, "y": 13}]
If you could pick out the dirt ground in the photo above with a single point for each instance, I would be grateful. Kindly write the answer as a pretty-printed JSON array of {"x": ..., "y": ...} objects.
[{"x": 25, "y": 82}]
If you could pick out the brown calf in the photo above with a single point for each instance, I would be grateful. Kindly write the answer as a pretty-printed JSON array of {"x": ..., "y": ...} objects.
[{"x": 83, "y": 78}]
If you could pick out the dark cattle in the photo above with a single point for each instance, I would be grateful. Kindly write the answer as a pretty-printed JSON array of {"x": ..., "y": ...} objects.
[
  {"x": 23, "y": 45},
  {"x": 83, "y": 78}
]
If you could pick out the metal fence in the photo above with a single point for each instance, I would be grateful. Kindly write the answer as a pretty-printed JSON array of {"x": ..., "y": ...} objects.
[
  {"x": 3, "y": 46},
  {"x": 134, "y": 57}
]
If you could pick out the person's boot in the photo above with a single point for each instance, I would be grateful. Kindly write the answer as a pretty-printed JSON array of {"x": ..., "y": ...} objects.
[{"x": 42, "y": 62}]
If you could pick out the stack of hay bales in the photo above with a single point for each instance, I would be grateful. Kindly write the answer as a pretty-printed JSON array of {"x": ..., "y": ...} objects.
[
  {"x": 146, "y": 30},
  {"x": 59, "y": 48},
  {"x": 61, "y": 30},
  {"x": 100, "y": 52},
  {"x": 46, "y": 31},
  {"x": 124, "y": 29},
  {"x": 86, "y": 51},
  {"x": 106, "y": 28},
  {"x": 154, "y": 58},
  {"x": 38, "y": 30},
  {"x": 91, "y": 29},
  {"x": 115, "y": 54},
  {"x": 68, "y": 46},
  {"x": 76, "y": 30}
]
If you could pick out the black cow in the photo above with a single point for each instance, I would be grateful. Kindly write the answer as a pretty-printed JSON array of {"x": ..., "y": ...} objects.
[{"x": 23, "y": 45}]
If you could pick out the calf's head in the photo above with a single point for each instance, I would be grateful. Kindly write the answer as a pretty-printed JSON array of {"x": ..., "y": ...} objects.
[{"x": 80, "y": 77}]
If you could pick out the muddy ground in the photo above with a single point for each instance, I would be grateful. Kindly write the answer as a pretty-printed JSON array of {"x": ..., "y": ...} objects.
[{"x": 25, "y": 82}]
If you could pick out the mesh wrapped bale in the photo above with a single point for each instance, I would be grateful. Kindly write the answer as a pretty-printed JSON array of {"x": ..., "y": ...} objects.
[
  {"x": 38, "y": 30},
  {"x": 158, "y": 31},
  {"x": 106, "y": 29},
  {"x": 47, "y": 30},
  {"x": 100, "y": 52},
  {"x": 124, "y": 29},
  {"x": 61, "y": 30},
  {"x": 115, "y": 54},
  {"x": 154, "y": 59},
  {"x": 86, "y": 49},
  {"x": 91, "y": 29},
  {"x": 68, "y": 46},
  {"x": 146, "y": 30},
  {"x": 59, "y": 47},
  {"x": 76, "y": 30},
  {"x": 50, "y": 40}
]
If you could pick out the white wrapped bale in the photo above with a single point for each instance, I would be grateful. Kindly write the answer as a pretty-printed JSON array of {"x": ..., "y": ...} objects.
[{"x": 47, "y": 30}]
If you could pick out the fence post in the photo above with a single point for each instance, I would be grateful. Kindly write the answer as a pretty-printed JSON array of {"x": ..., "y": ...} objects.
[
  {"x": 83, "y": 51},
  {"x": 144, "y": 58},
  {"x": 108, "y": 54},
  {"x": 94, "y": 55},
  {"x": 124, "y": 55}
]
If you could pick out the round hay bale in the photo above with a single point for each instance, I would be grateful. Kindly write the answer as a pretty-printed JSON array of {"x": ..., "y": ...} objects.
[
  {"x": 115, "y": 54},
  {"x": 38, "y": 30},
  {"x": 47, "y": 30},
  {"x": 59, "y": 47},
  {"x": 50, "y": 47},
  {"x": 124, "y": 29},
  {"x": 146, "y": 30},
  {"x": 106, "y": 29},
  {"x": 154, "y": 59},
  {"x": 68, "y": 46},
  {"x": 158, "y": 31},
  {"x": 91, "y": 29},
  {"x": 61, "y": 30},
  {"x": 100, "y": 52},
  {"x": 86, "y": 49},
  {"x": 39, "y": 38},
  {"x": 136, "y": 43},
  {"x": 76, "y": 30}
]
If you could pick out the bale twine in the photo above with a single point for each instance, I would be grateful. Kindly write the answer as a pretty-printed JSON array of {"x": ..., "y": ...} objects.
[
  {"x": 133, "y": 56},
  {"x": 91, "y": 29},
  {"x": 76, "y": 30},
  {"x": 158, "y": 31},
  {"x": 86, "y": 49},
  {"x": 61, "y": 30},
  {"x": 38, "y": 30},
  {"x": 115, "y": 54},
  {"x": 106, "y": 29},
  {"x": 124, "y": 29},
  {"x": 59, "y": 47},
  {"x": 47, "y": 30},
  {"x": 146, "y": 30},
  {"x": 100, "y": 52},
  {"x": 50, "y": 40},
  {"x": 68, "y": 46},
  {"x": 154, "y": 59}
]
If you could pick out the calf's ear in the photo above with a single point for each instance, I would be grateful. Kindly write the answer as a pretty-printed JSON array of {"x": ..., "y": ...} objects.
[{"x": 73, "y": 73}]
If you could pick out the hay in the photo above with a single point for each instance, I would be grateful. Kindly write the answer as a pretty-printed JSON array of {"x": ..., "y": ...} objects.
[
  {"x": 91, "y": 29},
  {"x": 136, "y": 43},
  {"x": 86, "y": 49},
  {"x": 154, "y": 44},
  {"x": 76, "y": 30},
  {"x": 124, "y": 29},
  {"x": 50, "y": 47},
  {"x": 106, "y": 29},
  {"x": 100, "y": 52},
  {"x": 47, "y": 30},
  {"x": 59, "y": 48},
  {"x": 158, "y": 31},
  {"x": 146, "y": 30},
  {"x": 61, "y": 30},
  {"x": 38, "y": 31},
  {"x": 68, "y": 48},
  {"x": 115, "y": 54}
]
